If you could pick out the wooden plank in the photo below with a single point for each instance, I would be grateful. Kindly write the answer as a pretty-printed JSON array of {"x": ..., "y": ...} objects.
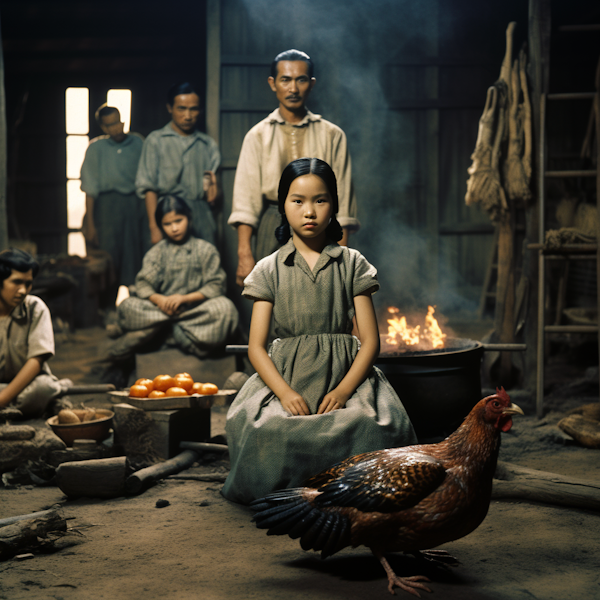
[
  {"x": 572, "y": 96},
  {"x": 533, "y": 266},
  {"x": 571, "y": 329},
  {"x": 579, "y": 173},
  {"x": 221, "y": 398},
  {"x": 597, "y": 111},
  {"x": 3, "y": 169},
  {"x": 213, "y": 68}
]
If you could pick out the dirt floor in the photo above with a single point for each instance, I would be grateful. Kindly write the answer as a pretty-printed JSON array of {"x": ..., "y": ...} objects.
[{"x": 201, "y": 546}]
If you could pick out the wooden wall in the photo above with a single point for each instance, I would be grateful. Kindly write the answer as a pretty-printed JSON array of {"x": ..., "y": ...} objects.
[
  {"x": 50, "y": 45},
  {"x": 407, "y": 82}
]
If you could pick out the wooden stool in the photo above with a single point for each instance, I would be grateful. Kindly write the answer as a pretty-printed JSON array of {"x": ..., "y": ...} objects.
[{"x": 156, "y": 434}]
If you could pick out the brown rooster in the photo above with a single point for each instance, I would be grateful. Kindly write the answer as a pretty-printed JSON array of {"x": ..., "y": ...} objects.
[{"x": 398, "y": 500}]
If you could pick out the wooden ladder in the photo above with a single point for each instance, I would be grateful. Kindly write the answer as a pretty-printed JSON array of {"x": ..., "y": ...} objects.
[{"x": 588, "y": 251}]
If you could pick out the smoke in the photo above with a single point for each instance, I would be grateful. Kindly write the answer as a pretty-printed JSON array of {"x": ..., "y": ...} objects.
[{"x": 354, "y": 45}]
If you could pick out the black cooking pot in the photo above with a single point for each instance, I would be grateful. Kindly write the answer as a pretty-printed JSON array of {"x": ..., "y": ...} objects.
[{"x": 437, "y": 387}]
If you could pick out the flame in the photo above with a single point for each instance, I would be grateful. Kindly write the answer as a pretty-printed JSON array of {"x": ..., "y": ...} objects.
[{"x": 399, "y": 332}]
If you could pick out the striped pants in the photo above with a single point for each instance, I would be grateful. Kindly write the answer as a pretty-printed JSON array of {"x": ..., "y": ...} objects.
[{"x": 202, "y": 328}]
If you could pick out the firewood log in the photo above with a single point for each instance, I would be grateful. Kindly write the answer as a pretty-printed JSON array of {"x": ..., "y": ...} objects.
[
  {"x": 514, "y": 481},
  {"x": 143, "y": 478},
  {"x": 10, "y": 520},
  {"x": 23, "y": 535},
  {"x": 96, "y": 478},
  {"x": 16, "y": 432}
]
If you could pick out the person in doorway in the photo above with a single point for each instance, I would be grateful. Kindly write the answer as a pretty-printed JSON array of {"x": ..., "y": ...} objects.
[
  {"x": 115, "y": 219},
  {"x": 291, "y": 131},
  {"x": 179, "y": 160},
  {"x": 26, "y": 339}
]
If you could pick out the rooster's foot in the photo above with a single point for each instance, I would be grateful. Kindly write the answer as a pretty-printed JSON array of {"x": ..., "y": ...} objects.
[
  {"x": 408, "y": 584},
  {"x": 438, "y": 556}
]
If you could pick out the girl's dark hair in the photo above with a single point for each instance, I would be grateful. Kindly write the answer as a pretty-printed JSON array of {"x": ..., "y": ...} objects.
[
  {"x": 308, "y": 166},
  {"x": 16, "y": 259},
  {"x": 179, "y": 89},
  {"x": 173, "y": 204}
]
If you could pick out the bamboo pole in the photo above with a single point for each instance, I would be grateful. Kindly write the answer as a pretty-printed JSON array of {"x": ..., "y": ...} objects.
[
  {"x": 538, "y": 67},
  {"x": 539, "y": 402},
  {"x": 3, "y": 168},
  {"x": 597, "y": 111}
]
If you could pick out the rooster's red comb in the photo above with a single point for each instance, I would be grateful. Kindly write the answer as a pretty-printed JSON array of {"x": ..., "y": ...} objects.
[{"x": 502, "y": 394}]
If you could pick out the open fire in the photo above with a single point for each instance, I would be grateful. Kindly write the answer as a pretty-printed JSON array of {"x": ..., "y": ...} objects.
[{"x": 402, "y": 337}]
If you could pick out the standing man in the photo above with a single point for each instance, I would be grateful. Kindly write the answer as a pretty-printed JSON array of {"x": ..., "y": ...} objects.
[
  {"x": 114, "y": 220},
  {"x": 289, "y": 132},
  {"x": 178, "y": 160},
  {"x": 26, "y": 339}
]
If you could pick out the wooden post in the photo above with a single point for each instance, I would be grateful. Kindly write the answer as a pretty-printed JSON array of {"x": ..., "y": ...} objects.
[
  {"x": 213, "y": 98},
  {"x": 538, "y": 70},
  {"x": 213, "y": 68},
  {"x": 597, "y": 111},
  {"x": 3, "y": 169},
  {"x": 505, "y": 297}
]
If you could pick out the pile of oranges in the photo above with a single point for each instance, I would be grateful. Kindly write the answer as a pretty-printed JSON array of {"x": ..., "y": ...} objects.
[{"x": 165, "y": 385}]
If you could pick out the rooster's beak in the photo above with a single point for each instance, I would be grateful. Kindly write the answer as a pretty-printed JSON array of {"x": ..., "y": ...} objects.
[{"x": 513, "y": 409}]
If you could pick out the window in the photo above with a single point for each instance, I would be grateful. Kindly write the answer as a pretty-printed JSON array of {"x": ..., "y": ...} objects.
[
  {"x": 77, "y": 107},
  {"x": 77, "y": 113},
  {"x": 121, "y": 99}
]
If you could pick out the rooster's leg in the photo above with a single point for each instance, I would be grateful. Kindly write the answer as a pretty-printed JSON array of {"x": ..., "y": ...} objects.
[
  {"x": 408, "y": 584},
  {"x": 441, "y": 557}
]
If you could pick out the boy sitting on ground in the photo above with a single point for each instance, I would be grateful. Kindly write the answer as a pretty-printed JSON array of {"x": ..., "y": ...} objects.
[{"x": 26, "y": 339}]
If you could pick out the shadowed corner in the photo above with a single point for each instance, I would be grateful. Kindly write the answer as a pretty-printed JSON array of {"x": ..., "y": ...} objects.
[
  {"x": 367, "y": 568},
  {"x": 451, "y": 584}
]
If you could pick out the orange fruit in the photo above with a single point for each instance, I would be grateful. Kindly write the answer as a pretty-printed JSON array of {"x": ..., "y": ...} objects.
[
  {"x": 138, "y": 391},
  {"x": 156, "y": 394},
  {"x": 147, "y": 382},
  {"x": 184, "y": 381},
  {"x": 176, "y": 391},
  {"x": 197, "y": 388},
  {"x": 209, "y": 388},
  {"x": 184, "y": 374},
  {"x": 163, "y": 382}
]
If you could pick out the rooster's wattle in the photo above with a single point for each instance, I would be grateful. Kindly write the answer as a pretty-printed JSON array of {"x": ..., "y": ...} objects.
[{"x": 406, "y": 499}]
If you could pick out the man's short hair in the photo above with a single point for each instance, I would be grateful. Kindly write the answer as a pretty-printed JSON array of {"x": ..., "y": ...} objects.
[
  {"x": 17, "y": 260},
  {"x": 105, "y": 111},
  {"x": 292, "y": 55},
  {"x": 179, "y": 89}
]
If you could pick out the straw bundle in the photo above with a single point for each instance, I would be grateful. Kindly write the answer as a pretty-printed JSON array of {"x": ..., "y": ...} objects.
[{"x": 501, "y": 162}]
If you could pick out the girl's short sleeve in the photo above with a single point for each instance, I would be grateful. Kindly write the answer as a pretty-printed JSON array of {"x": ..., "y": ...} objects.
[
  {"x": 365, "y": 275},
  {"x": 259, "y": 285}
]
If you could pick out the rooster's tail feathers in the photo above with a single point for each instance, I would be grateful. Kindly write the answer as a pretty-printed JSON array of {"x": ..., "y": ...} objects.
[
  {"x": 329, "y": 534},
  {"x": 288, "y": 513}
]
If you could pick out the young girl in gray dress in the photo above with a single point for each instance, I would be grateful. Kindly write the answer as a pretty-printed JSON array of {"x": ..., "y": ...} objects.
[
  {"x": 180, "y": 290},
  {"x": 316, "y": 397}
]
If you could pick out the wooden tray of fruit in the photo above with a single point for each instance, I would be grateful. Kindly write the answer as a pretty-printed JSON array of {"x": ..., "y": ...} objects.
[{"x": 170, "y": 393}]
